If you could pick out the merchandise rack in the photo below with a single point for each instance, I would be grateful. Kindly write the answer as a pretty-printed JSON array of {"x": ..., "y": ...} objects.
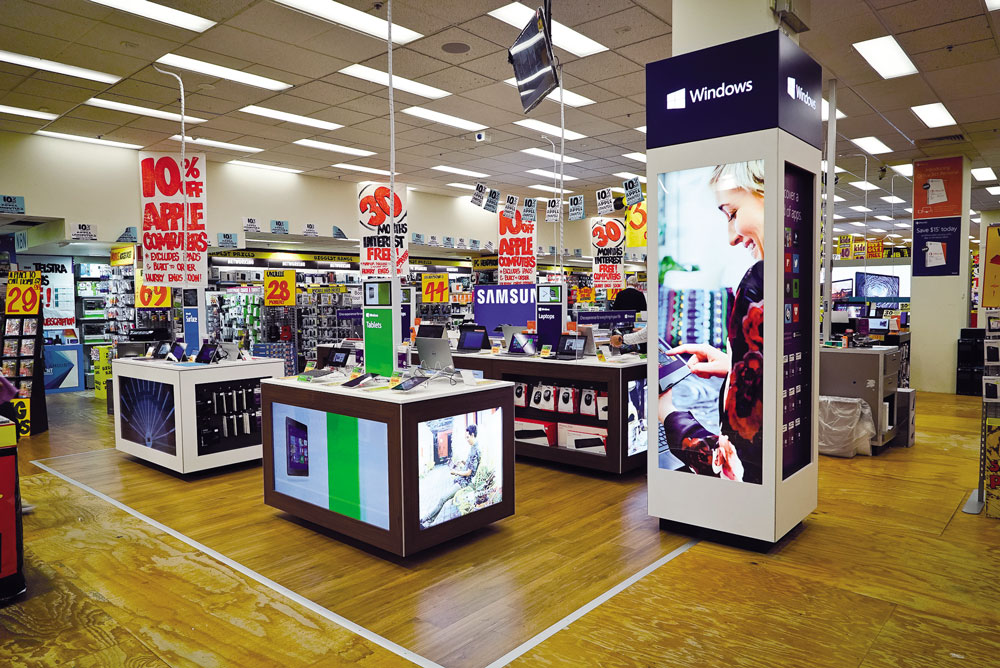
[{"x": 30, "y": 387}]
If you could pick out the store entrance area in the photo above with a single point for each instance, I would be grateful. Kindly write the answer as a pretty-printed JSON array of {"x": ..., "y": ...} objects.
[{"x": 127, "y": 560}]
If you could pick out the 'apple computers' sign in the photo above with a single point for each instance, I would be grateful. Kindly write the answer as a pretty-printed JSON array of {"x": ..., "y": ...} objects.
[{"x": 760, "y": 82}]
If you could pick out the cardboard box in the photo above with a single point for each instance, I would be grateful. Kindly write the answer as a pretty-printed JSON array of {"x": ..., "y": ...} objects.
[
  {"x": 537, "y": 432},
  {"x": 579, "y": 437}
]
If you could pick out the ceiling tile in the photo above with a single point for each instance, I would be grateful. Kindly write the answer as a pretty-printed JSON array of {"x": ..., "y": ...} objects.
[
  {"x": 648, "y": 51},
  {"x": 407, "y": 63},
  {"x": 269, "y": 52},
  {"x": 320, "y": 91},
  {"x": 30, "y": 44},
  {"x": 966, "y": 81},
  {"x": 272, "y": 20},
  {"x": 623, "y": 28},
  {"x": 961, "y": 54},
  {"x": 44, "y": 20},
  {"x": 478, "y": 47},
  {"x": 924, "y": 13}
]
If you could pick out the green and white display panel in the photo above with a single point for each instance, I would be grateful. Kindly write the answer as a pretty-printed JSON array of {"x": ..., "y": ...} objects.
[{"x": 332, "y": 461}]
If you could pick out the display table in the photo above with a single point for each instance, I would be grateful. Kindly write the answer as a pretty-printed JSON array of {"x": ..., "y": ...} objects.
[
  {"x": 400, "y": 471},
  {"x": 12, "y": 582},
  {"x": 871, "y": 374},
  {"x": 565, "y": 434},
  {"x": 188, "y": 416}
]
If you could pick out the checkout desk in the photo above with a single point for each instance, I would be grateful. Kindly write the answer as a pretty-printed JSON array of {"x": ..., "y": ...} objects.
[{"x": 401, "y": 471}]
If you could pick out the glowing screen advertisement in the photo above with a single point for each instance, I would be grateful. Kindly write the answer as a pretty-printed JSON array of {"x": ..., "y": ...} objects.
[
  {"x": 711, "y": 258},
  {"x": 147, "y": 414},
  {"x": 460, "y": 460},
  {"x": 332, "y": 461}
]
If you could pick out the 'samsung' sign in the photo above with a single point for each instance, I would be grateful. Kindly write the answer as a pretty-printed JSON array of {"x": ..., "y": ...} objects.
[{"x": 494, "y": 305}]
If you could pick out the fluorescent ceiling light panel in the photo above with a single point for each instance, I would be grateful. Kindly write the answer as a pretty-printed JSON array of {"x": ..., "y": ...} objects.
[
  {"x": 886, "y": 57},
  {"x": 977, "y": 220},
  {"x": 58, "y": 68},
  {"x": 550, "y": 189},
  {"x": 908, "y": 210},
  {"x": 993, "y": 190},
  {"x": 902, "y": 170},
  {"x": 87, "y": 140},
  {"x": 463, "y": 186},
  {"x": 569, "y": 97},
  {"x": 642, "y": 129},
  {"x": 221, "y": 72},
  {"x": 933, "y": 115},
  {"x": 630, "y": 175},
  {"x": 826, "y": 111},
  {"x": 871, "y": 145},
  {"x": 151, "y": 10},
  {"x": 975, "y": 241},
  {"x": 381, "y": 78},
  {"x": 551, "y": 175},
  {"x": 892, "y": 199},
  {"x": 219, "y": 144},
  {"x": 641, "y": 157},
  {"x": 839, "y": 229},
  {"x": 618, "y": 190},
  {"x": 30, "y": 113},
  {"x": 885, "y": 218},
  {"x": 445, "y": 119},
  {"x": 837, "y": 216},
  {"x": 836, "y": 198},
  {"x": 290, "y": 118},
  {"x": 857, "y": 224},
  {"x": 141, "y": 111},
  {"x": 992, "y": 5},
  {"x": 360, "y": 168},
  {"x": 540, "y": 153},
  {"x": 519, "y": 15},
  {"x": 864, "y": 185},
  {"x": 257, "y": 165},
  {"x": 276, "y": 241},
  {"x": 902, "y": 224},
  {"x": 462, "y": 172},
  {"x": 355, "y": 19},
  {"x": 552, "y": 130},
  {"x": 895, "y": 236},
  {"x": 836, "y": 168},
  {"x": 336, "y": 148},
  {"x": 984, "y": 174},
  {"x": 860, "y": 209}
]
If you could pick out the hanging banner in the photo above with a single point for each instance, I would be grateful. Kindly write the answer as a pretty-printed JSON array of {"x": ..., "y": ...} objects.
[
  {"x": 874, "y": 249},
  {"x": 492, "y": 201},
  {"x": 251, "y": 225},
  {"x": 57, "y": 288},
  {"x": 510, "y": 206},
  {"x": 552, "y": 211},
  {"x": 381, "y": 227},
  {"x": 576, "y": 207},
  {"x": 279, "y": 287},
  {"x": 859, "y": 249},
  {"x": 175, "y": 246},
  {"x": 477, "y": 197},
  {"x": 937, "y": 188},
  {"x": 607, "y": 236},
  {"x": 937, "y": 246},
  {"x": 530, "y": 212},
  {"x": 633, "y": 191},
  {"x": 150, "y": 296},
  {"x": 635, "y": 225},
  {"x": 605, "y": 201},
  {"x": 516, "y": 257},
  {"x": 990, "y": 262}
]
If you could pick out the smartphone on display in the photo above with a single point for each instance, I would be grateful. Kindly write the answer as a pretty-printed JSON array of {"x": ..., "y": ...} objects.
[
  {"x": 673, "y": 368},
  {"x": 297, "y": 447},
  {"x": 410, "y": 383},
  {"x": 357, "y": 381}
]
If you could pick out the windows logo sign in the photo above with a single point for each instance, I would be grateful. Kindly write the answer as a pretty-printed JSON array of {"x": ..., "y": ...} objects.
[{"x": 677, "y": 99}]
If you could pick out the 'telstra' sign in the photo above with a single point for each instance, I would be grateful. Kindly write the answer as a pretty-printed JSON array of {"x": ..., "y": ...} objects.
[{"x": 760, "y": 82}]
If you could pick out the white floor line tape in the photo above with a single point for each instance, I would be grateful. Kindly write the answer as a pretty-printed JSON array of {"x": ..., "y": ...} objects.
[
  {"x": 580, "y": 612},
  {"x": 253, "y": 575},
  {"x": 73, "y": 454}
]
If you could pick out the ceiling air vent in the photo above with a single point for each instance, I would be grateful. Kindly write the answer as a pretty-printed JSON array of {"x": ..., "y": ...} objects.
[{"x": 943, "y": 139}]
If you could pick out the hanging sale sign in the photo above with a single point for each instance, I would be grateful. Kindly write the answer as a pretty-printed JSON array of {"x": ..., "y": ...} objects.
[
  {"x": 381, "y": 227},
  {"x": 635, "y": 226},
  {"x": 516, "y": 256},
  {"x": 434, "y": 288},
  {"x": 633, "y": 191},
  {"x": 150, "y": 296},
  {"x": 279, "y": 287},
  {"x": 23, "y": 293},
  {"x": 477, "y": 197},
  {"x": 607, "y": 236},
  {"x": 605, "y": 202},
  {"x": 492, "y": 201},
  {"x": 990, "y": 289},
  {"x": 576, "y": 207},
  {"x": 175, "y": 245},
  {"x": 510, "y": 206},
  {"x": 530, "y": 212},
  {"x": 552, "y": 211}
]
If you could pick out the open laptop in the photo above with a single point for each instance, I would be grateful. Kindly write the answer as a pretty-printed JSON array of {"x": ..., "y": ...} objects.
[
  {"x": 520, "y": 346},
  {"x": 509, "y": 331},
  {"x": 430, "y": 331},
  {"x": 570, "y": 347},
  {"x": 435, "y": 354},
  {"x": 587, "y": 332},
  {"x": 473, "y": 340}
]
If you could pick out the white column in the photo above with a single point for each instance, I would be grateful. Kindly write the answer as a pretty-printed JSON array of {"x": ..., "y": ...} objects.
[{"x": 698, "y": 24}]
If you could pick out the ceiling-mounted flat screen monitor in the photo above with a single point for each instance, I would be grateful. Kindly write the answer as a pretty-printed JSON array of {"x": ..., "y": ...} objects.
[
  {"x": 534, "y": 68},
  {"x": 843, "y": 289}
]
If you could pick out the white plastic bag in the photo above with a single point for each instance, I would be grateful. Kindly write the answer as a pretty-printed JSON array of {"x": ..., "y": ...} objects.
[{"x": 846, "y": 426}]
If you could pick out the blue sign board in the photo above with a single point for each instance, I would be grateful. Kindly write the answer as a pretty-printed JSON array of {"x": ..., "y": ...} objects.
[
  {"x": 192, "y": 342},
  {"x": 548, "y": 323},
  {"x": 937, "y": 246},
  {"x": 63, "y": 368},
  {"x": 129, "y": 236},
  {"x": 229, "y": 240},
  {"x": 11, "y": 204},
  {"x": 280, "y": 226},
  {"x": 756, "y": 83},
  {"x": 607, "y": 319},
  {"x": 495, "y": 305}
]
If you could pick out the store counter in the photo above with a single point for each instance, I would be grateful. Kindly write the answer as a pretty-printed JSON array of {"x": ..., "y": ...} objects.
[
  {"x": 582, "y": 412},
  {"x": 401, "y": 471},
  {"x": 187, "y": 416}
]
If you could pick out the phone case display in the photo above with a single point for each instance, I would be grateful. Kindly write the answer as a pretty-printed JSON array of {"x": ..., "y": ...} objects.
[
  {"x": 236, "y": 315},
  {"x": 228, "y": 415},
  {"x": 119, "y": 308},
  {"x": 319, "y": 316},
  {"x": 283, "y": 350}
]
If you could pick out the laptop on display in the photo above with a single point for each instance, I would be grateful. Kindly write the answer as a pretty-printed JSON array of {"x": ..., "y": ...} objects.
[
  {"x": 435, "y": 354},
  {"x": 570, "y": 347},
  {"x": 520, "y": 346}
]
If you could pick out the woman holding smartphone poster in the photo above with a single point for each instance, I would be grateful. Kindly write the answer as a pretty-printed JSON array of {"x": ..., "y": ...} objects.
[{"x": 734, "y": 450}]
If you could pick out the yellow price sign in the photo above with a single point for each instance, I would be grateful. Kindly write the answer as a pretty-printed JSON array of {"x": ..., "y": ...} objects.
[
  {"x": 147, "y": 296},
  {"x": 24, "y": 293},
  {"x": 585, "y": 294},
  {"x": 434, "y": 288},
  {"x": 279, "y": 287}
]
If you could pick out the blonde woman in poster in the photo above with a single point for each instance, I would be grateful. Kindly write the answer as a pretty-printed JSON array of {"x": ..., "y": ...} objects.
[{"x": 735, "y": 451}]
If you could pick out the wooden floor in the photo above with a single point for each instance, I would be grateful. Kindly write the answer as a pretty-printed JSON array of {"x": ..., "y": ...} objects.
[{"x": 886, "y": 572}]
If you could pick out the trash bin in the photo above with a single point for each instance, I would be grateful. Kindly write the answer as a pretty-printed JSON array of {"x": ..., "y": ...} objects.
[
  {"x": 11, "y": 543},
  {"x": 846, "y": 426}
]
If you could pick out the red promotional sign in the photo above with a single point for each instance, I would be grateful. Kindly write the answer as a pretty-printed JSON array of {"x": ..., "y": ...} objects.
[
  {"x": 937, "y": 188},
  {"x": 376, "y": 236},
  {"x": 607, "y": 236},
  {"x": 516, "y": 255},
  {"x": 175, "y": 244}
]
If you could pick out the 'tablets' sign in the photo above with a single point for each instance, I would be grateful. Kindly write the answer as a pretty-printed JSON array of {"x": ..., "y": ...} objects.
[{"x": 756, "y": 83}]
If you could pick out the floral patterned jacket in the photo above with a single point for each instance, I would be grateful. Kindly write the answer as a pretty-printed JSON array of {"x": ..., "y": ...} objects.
[{"x": 740, "y": 401}]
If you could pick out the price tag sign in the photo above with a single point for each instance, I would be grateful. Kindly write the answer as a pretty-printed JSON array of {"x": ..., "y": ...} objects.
[
  {"x": 83, "y": 232},
  {"x": 477, "y": 197},
  {"x": 280, "y": 226},
  {"x": 434, "y": 288},
  {"x": 279, "y": 287},
  {"x": 150, "y": 297},
  {"x": 633, "y": 191},
  {"x": 530, "y": 212},
  {"x": 492, "y": 201},
  {"x": 552, "y": 211},
  {"x": 576, "y": 207},
  {"x": 229, "y": 240},
  {"x": 251, "y": 225},
  {"x": 510, "y": 206},
  {"x": 24, "y": 291},
  {"x": 605, "y": 202},
  {"x": 585, "y": 294},
  {"x": 310, "y": 230}
]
